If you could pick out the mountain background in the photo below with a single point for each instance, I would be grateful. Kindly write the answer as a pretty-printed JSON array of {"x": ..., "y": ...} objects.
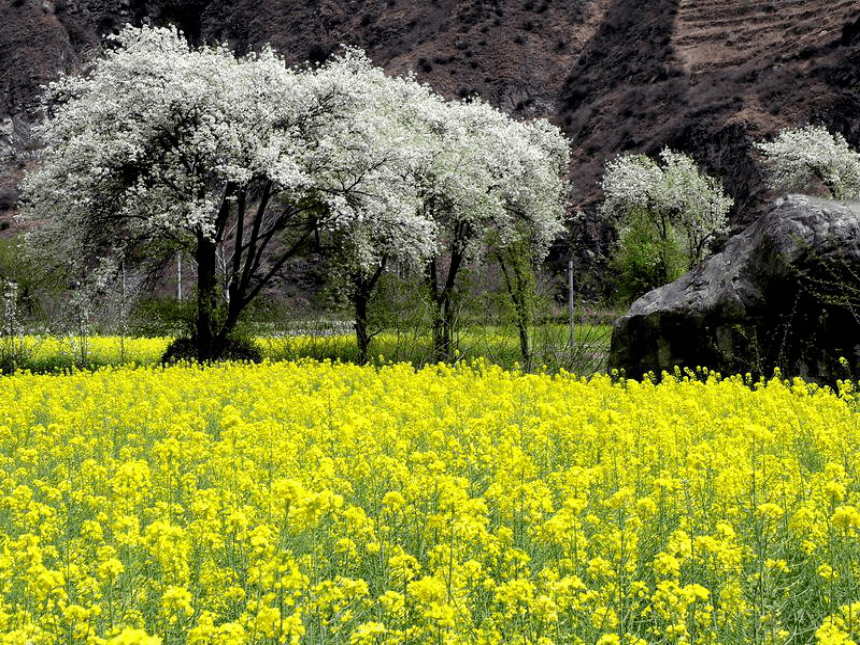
[{"x": 706, "y": 77}]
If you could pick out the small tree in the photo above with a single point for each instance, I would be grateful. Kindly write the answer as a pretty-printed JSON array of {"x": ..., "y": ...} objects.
[
  {"x": 804, "y": 159},
  {"x": 361, "y": 254},
  {"x": 391, "y": 229},
  {"x": 486, "y": 174},
  {"x": 667, "y": 216},
  {"x": 516, "y": 263},
  {"x": 801, "y": 158}
]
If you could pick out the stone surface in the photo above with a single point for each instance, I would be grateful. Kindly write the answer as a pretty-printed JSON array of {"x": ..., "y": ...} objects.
[{"x": 783, "y": 293}]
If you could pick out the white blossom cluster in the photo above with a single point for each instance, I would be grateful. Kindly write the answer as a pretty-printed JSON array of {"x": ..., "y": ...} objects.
[
  {"x": 801, "y": 157},
  {"x": 162, "y": 139},
  {"x": 681, "y": 202}
]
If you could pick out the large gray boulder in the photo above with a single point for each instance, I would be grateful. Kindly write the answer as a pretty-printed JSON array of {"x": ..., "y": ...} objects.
[{"x": 783, "y": 293}]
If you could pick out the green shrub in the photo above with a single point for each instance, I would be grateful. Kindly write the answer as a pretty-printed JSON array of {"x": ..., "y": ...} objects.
[{"x": 645, "y": 261}]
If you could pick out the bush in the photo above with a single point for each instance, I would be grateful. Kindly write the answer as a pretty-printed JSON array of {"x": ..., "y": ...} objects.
[
  {"x": 645, "y": 261},
  {"x": 236, "y": 349}
]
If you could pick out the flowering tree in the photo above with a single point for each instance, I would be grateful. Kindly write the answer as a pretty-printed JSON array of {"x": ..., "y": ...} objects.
[
  {"x": 244, "y": 162},
  {"x": 362, "y": 253},
  {"x": 388, "y": 227},
  {"x": 385, "y": 235},
  {"x": 668, "y": 216},
  {"x": 486, "y": 174},
  {"x": 478, "y": 175},
  {"x": 801, "y": 157},
  {"x": 238, "y": 161}
]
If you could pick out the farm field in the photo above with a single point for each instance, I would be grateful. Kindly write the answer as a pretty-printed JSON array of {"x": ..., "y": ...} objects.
[
  {"x": 41, "y": 353},
  {"x": 311, "y": 502}
]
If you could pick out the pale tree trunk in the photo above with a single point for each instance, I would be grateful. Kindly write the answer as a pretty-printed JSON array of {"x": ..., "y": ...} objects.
[{"x": 517, "y": 285}]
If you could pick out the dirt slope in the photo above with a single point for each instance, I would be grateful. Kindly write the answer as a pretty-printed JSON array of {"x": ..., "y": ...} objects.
[
  {"x": 705, "y": 76},
  {"x": 723, "y": 34},
  {"x": 709, "y": 77}
]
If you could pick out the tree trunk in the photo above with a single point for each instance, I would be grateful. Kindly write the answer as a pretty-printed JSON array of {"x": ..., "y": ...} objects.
[
  {"x": 443, "y": 330},
  {"x": 447, "y": 328},
  {"x": 442, "y": 295},
  {"x": 360, "y": 300},
  {"x": 206, "y": 298},
  {"x": 362, "y": 291},
  {"x": 517, "y": 286},
  {"x": 661, "y": 272},
  {"x": 246, "y": 276},
  {"x": 443, "y": 313}
]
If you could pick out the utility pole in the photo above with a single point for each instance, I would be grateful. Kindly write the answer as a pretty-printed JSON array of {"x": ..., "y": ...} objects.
[
  {"x": 123, "y": 312},
  {"x": 571, "y": 305},
  {"x": 179, "y": 275}
]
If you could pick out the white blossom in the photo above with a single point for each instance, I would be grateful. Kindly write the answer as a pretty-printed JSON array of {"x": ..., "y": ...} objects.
[
  {"x": 162, "y": 144},
  {"x": 800, "y": 157},
  {"x": 679, "y": 201}
]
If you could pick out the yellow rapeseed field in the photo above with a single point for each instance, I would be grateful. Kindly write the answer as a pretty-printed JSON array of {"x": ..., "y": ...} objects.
[
  {"x": 45, "y": 353},
  {"x": 317, "y": 503}
]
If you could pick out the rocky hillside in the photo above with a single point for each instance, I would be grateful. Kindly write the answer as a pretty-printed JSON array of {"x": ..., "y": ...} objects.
[{"x": 704, "y": 76}]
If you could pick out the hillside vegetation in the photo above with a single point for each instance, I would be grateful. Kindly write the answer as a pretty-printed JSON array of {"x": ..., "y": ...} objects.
[{"x": 702, "y": 77}]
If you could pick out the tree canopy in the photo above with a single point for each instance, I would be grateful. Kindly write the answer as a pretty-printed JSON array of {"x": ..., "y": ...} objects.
[
  {"x": 487, "y": 174},
  {"x": 801, "y": 158},
  {"x": 668, "y": 216},
  {"x": 243, "y": 161}
]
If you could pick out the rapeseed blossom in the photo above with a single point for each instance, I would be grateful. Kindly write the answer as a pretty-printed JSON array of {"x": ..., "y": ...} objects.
[{"x": 318, "y": 503}]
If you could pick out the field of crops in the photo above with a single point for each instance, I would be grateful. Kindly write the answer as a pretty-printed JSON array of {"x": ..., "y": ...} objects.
[
  {"x": 317, "y": 503},
  {"x": 500, "y": 345}
]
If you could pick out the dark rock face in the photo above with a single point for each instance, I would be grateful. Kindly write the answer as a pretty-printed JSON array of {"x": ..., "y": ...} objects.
[{"x": 783, "y": 293}]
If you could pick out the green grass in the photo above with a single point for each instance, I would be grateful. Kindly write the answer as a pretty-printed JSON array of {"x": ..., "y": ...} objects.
[{"x": 550, "y": 348}]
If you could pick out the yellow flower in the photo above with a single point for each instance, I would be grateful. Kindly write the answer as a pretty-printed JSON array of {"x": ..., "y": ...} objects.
[
  {"x": 393, "y": 501},
  {"x": 110, "y": 569},
  {"x": 770, "y": 512},
  {"x": 666, "y": 565},
  {"x": 604, "y": 618},
  {"x": 134, "y": 637},
  {"x": 831, "y": 633},
  {"x": 620, "y": 498},
  {"x": 695, "y": 592},
  {"x": 846, "y": 517},
  {"x": 827, "y": 572},
  {"x": 404, "y": 567},
  {"x": 609, "y": 639},
  {"x": 268, "y": 622},
  {"x": 176, "y": 603},
  {"x": 835, "y": 491},
  {"x": 393, "y": 602},
  {"x": 777, "y": 565},
  {"x": 428, "y": 589},
  {"x": 516, "y": 595},
  {"x": 237, "y": 503},
  {"x": 367, "y": 633}
]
